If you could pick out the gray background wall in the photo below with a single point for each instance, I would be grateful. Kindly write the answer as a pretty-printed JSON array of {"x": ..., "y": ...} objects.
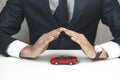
[{"x": 103, "y": 33}]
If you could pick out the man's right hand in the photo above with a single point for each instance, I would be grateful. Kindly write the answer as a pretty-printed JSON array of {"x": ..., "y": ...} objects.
[{"x": 33, "y": 51}]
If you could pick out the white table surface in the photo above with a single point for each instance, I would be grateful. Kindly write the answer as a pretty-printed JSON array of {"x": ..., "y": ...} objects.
[{"x": 41, "y": 69}]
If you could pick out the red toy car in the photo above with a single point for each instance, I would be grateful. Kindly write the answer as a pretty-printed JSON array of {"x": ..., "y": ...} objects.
[{"x": 64, "y": 60}]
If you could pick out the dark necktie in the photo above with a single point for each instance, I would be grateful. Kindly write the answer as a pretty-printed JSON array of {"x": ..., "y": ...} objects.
[{"x": 61, "y": 13}]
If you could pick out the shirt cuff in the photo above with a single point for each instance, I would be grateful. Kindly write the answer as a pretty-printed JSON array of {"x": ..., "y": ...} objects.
[
  {"x": 112, "y": 49},
  {"x": 15, "y": 48}
]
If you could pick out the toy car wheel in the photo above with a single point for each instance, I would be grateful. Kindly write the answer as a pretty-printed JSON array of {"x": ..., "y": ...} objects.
[
  {"x": 70, "y": 63},
  {"x": 56, "y": 63}
]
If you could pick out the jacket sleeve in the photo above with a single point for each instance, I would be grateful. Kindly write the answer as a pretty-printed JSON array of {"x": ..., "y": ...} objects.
[
  {"x": 11, "y": 18},
  {"x": 111, "y": 17}
]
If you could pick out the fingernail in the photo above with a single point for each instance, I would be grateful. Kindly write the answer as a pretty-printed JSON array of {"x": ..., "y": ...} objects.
[
  {"x": 62, "y": 29},
  {"x": 72, "y": 38},
  {"x": 67, "y": 32},
  {"x": 58, "y": 33}
]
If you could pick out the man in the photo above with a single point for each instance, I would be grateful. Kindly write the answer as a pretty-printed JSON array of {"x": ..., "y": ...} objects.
[{"x": 60, "y": 24}]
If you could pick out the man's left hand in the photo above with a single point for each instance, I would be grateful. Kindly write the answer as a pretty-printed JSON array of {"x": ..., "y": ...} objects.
[{"x": 85, "y": 45}]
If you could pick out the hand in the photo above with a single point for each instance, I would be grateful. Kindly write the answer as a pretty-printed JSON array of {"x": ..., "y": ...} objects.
[
  {"x": 33, "y": 51},
  {"x": 87, "y": 48}
]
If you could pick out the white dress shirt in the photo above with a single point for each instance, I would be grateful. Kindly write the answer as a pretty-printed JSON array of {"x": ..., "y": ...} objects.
[{"x": 112, "y": 48}]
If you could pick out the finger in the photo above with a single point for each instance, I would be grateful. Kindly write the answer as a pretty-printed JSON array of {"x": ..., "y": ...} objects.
[
  {"x": 48, "y": 40},
  {"x": 76, "y": 35},
  {"x": 55, "y": 30},
  {"x": 45, "y": 39},
  {"x": 56, "y": 35},
  {"x": 71, "y": 33},
  {"x": 81, "y": 41},
  {"x": 53, "y": 33},
  {"x": 76, "y": 40}
]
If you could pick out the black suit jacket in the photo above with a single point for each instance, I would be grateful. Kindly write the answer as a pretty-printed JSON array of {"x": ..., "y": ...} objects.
[{"x": 86, "y": 16}]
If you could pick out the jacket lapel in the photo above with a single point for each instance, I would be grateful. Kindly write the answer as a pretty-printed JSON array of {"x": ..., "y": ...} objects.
[
  {"x": 78, "y": 10},
  {"x": 47, "y": 12}
]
